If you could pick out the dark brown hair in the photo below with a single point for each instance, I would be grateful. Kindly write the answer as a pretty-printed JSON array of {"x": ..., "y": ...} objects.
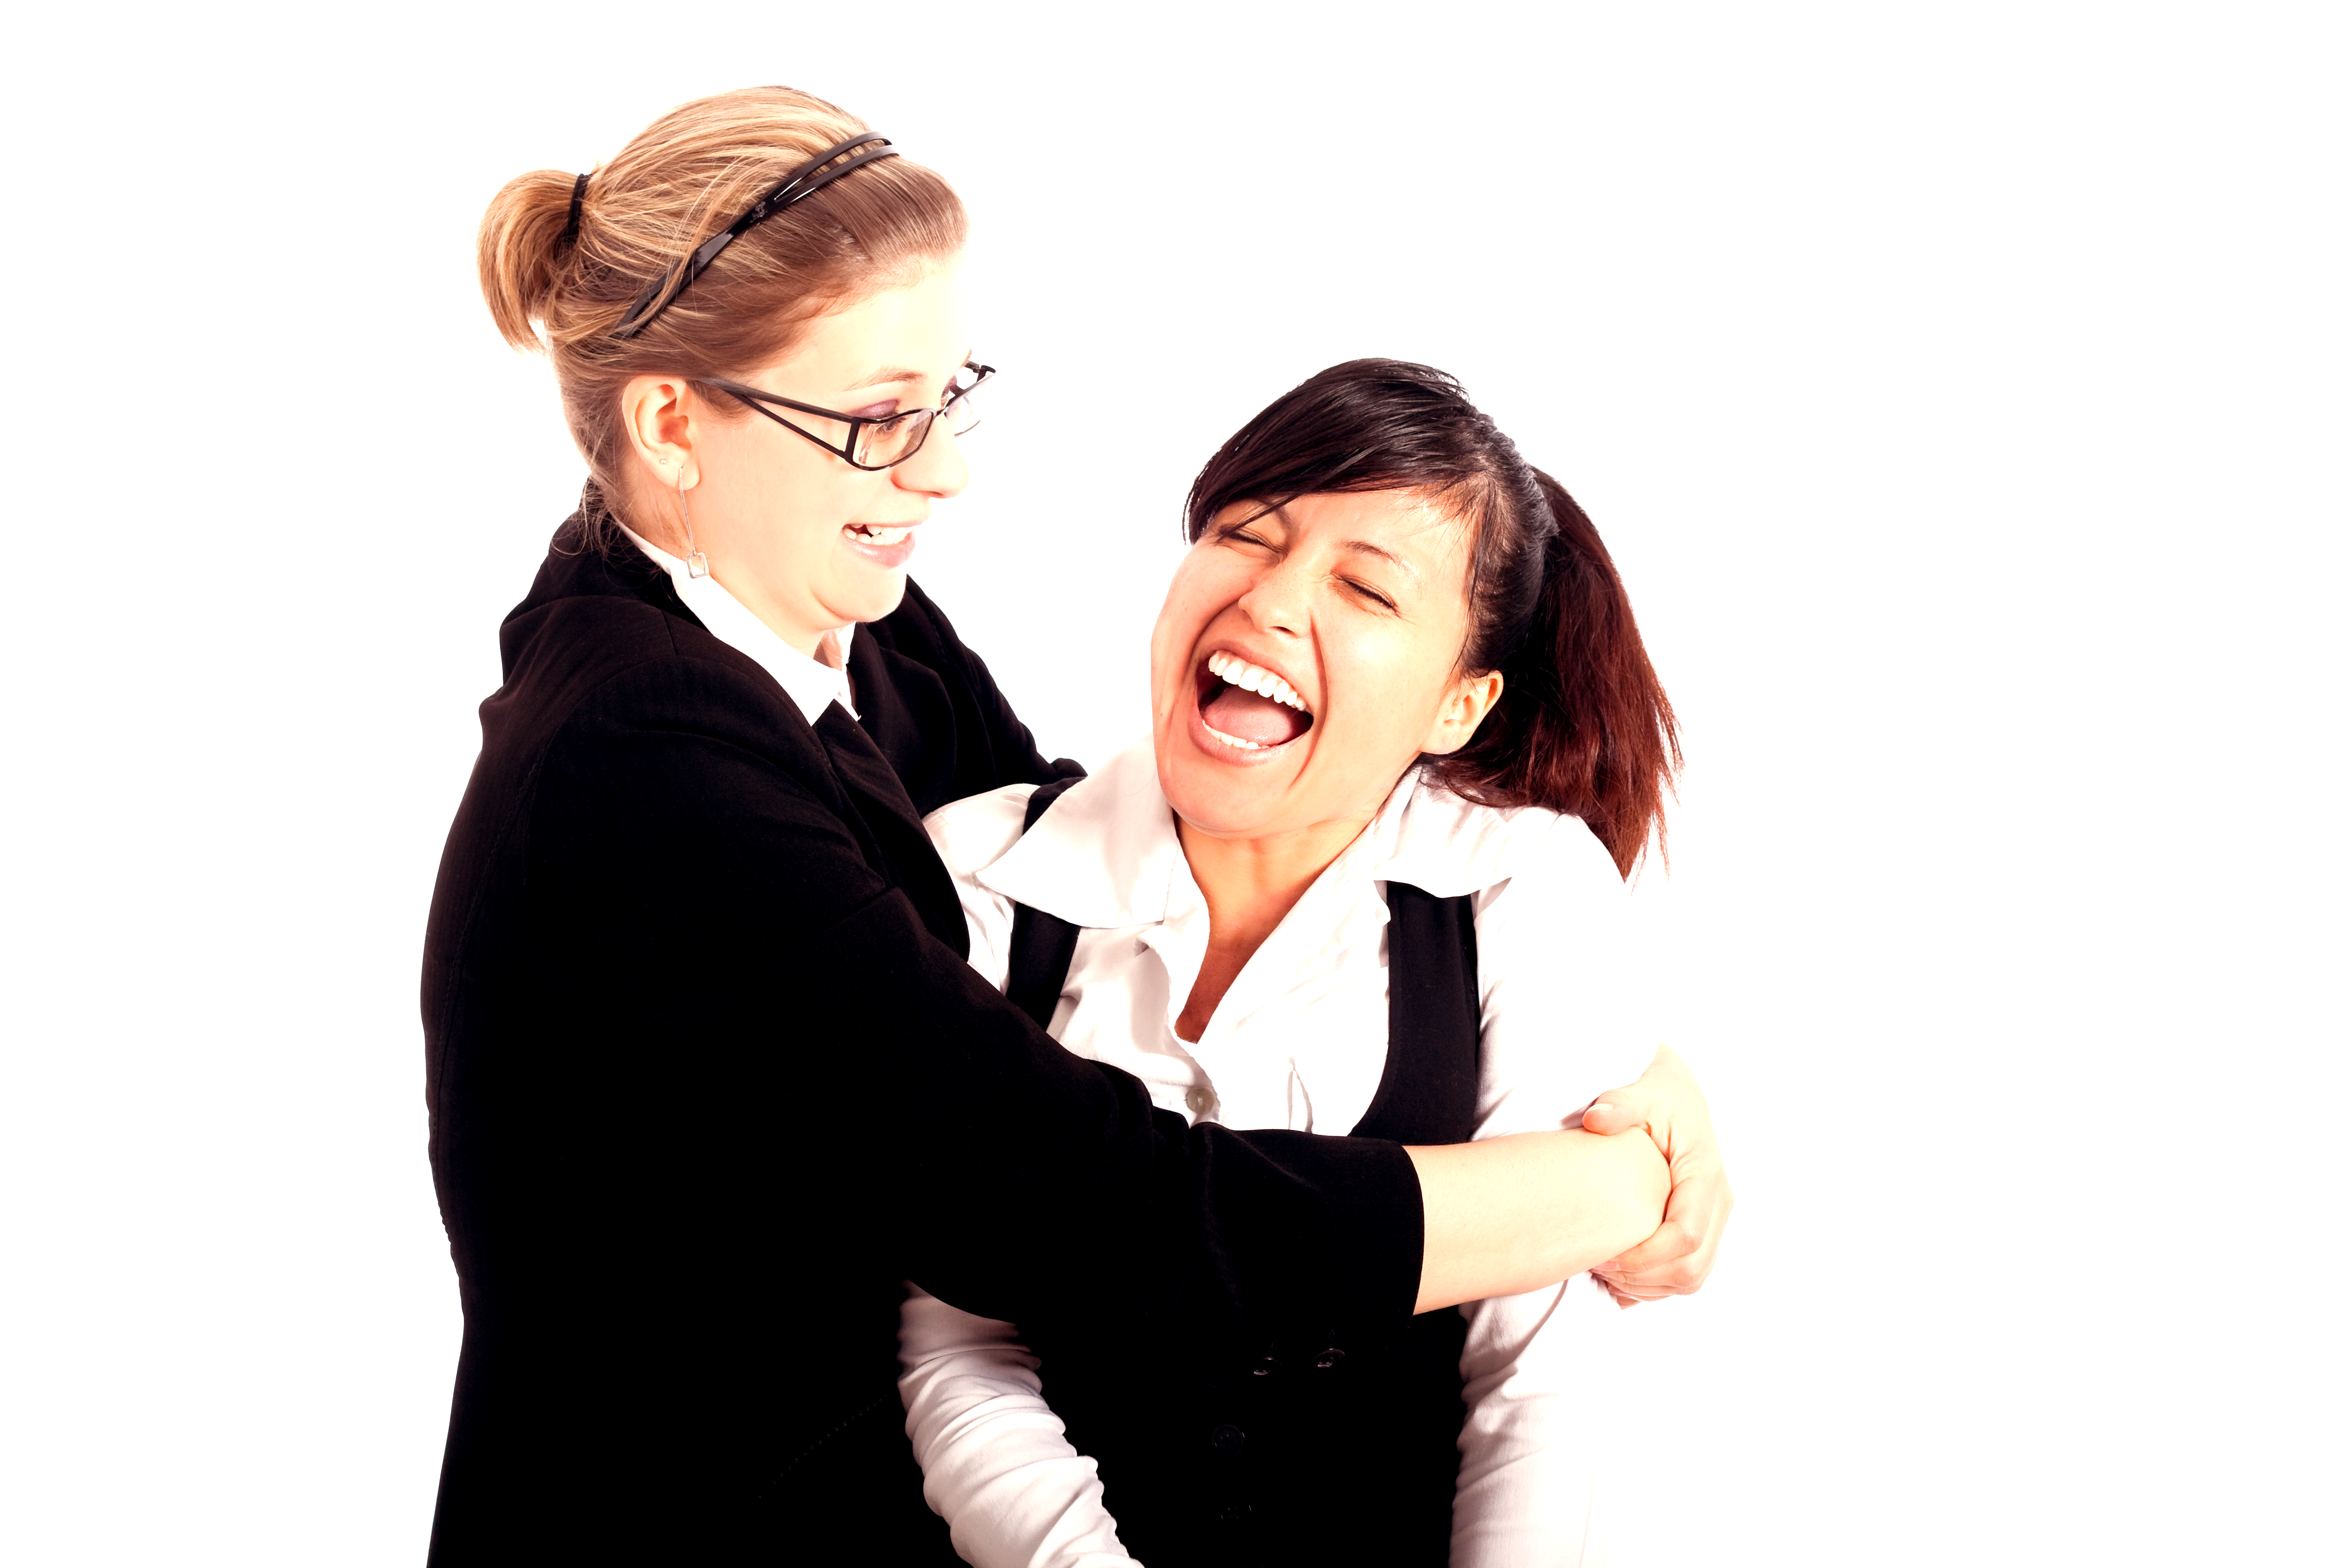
[
  {"x": 1582, "y": 726},
  {"x": 679, "y": 182}
]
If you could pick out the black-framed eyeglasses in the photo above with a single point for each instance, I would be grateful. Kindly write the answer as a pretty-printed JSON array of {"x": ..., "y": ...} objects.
[{"x": 874, "y": 444}]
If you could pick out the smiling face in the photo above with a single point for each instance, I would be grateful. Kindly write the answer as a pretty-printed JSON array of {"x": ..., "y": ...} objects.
[
  {"x": 807, "y": 542},
  {"x": 1305, "y": 658}
]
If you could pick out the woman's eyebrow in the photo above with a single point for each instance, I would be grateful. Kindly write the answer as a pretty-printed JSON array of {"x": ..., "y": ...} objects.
[
  {"x": 1366, "y": 547},
  {"x": 884, "y": 377},
  {"x": 889, "y": 374}
]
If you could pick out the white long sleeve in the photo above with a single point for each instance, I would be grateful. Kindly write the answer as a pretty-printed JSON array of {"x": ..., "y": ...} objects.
[
  {"x": 1563, "y": 1021},
  {"x": 1535, "y": 1431},
  {"x": 996, "y": 1465}
]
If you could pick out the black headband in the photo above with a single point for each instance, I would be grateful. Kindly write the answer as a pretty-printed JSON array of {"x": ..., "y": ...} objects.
[
  {"x": 571, "y": 224},
  {"x": 799, "y": 186}
]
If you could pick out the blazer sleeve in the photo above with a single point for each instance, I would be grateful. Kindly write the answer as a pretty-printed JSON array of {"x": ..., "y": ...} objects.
[
  {"x": 1007, "y": 752},
  {"x": 809, "y": 1062}
]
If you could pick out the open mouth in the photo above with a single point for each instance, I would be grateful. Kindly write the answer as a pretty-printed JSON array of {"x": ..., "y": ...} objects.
[
  {"x": 885, "y": 546},
  {"x": 1248, "y": 708}
]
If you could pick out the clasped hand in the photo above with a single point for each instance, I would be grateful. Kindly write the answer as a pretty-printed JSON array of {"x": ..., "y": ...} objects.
[{"x": 1675, "y": 1260}]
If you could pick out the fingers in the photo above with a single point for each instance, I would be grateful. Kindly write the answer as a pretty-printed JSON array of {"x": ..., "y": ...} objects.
[
  {"x": 1620, "y": 1297},
  {"x": 1631, "y": 1292},
  {"x": 1624, "y": 1300},
  {"x": 1619, "y": 1110},
  {"x": 1655, "y": 1287},
  {"x": 1637, "y": 1104},
  {"x": 1680, "y": 1253},
  {"x": 1658, "y": 1263}
]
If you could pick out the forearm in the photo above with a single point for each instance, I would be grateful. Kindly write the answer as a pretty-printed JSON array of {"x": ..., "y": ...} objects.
[
  {"x": 998, "y": 1467},
  {"x": 996, "y": 1463},
  {"x": 1508, "y": 1215}
]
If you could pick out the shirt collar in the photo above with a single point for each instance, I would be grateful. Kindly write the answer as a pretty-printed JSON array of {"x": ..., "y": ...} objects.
[
  {"x": 809, "y": 683},
  {"x": 1106, "y": 854},
  {"x": 1103, "y": 854},
  {"x": 1429, "y": 838}
]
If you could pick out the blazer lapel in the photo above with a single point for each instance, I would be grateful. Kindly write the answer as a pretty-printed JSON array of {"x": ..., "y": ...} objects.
[
  {"x": 905, "y": 712},
  {"x": 881, "y": 800}
]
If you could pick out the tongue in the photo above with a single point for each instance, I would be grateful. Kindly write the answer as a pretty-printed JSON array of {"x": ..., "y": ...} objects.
[{"x": 1247, "y": 716}]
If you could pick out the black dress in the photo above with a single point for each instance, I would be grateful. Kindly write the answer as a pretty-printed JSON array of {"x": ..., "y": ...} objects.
[{"x": 709, "y": 1076}]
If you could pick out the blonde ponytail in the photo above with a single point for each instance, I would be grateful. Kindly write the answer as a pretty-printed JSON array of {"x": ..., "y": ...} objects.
[{"x": 520, "y": 249}]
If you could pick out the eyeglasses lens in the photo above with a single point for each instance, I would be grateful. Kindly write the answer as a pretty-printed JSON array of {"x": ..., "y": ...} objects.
[
  {"x": 896, "y": 439},
  {"x": 969, "y": 405},
  {"x": 889, "y": 440}
]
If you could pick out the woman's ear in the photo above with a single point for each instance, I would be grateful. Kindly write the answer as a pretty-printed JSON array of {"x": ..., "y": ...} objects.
[
  {"x": 1467, "y": 705},
  {"x": 657, "y": 411}
]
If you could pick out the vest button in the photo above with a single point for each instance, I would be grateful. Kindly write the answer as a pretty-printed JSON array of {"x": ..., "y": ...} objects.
[
  {"x": 1227, "y": 1440},
  {"x": 1329, "y": 1359}
]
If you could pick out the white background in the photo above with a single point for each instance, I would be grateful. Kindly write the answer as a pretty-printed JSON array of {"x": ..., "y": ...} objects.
[{"x": 1962, "y": 390}]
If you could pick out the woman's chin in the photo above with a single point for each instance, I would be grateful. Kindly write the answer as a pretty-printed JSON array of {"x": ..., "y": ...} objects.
[
  {"x": 1219, "y": 787},
  {"x": 871, "y": 594}
]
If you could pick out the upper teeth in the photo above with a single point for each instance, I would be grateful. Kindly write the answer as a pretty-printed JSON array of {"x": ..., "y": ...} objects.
[
  {"x": 1238, "y": 671},
  {"x": 884, "y": 536}
]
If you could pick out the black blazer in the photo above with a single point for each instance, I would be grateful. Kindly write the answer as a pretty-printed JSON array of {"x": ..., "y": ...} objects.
[{"x": 709, "y": 1076}]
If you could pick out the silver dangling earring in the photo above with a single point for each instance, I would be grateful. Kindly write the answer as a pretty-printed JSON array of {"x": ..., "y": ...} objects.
[{"x": 696, "y": 566}]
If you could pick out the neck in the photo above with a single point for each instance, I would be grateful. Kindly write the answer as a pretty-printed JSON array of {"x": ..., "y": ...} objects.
[
  {"x": 1249, "y": 884},
  {"x": 670, "y": 537},
  {"x": 818, "y": 645}
]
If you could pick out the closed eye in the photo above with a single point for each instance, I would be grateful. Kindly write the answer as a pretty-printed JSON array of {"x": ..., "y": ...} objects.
[{"x": 1367, "y": 591}]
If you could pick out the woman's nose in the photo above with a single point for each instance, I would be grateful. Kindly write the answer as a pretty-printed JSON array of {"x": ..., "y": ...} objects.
[
  {"x": 1276, "y": 600},
  {"x": 938, "y": 469}
]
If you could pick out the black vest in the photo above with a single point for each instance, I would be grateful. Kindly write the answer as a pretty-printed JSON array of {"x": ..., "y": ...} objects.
[{"x": 1287, "y": 1453}]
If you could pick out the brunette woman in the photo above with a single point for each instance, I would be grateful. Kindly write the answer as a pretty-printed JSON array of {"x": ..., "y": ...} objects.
[
  {"x": 708, "y": 1072},
  {"x": 1363, "y": 876}
]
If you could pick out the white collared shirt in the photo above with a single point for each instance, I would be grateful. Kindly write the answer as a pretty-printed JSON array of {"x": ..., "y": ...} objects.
[
  {"x": 810, "y": 683},
  {"x": 1299, "y": 1040}
]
